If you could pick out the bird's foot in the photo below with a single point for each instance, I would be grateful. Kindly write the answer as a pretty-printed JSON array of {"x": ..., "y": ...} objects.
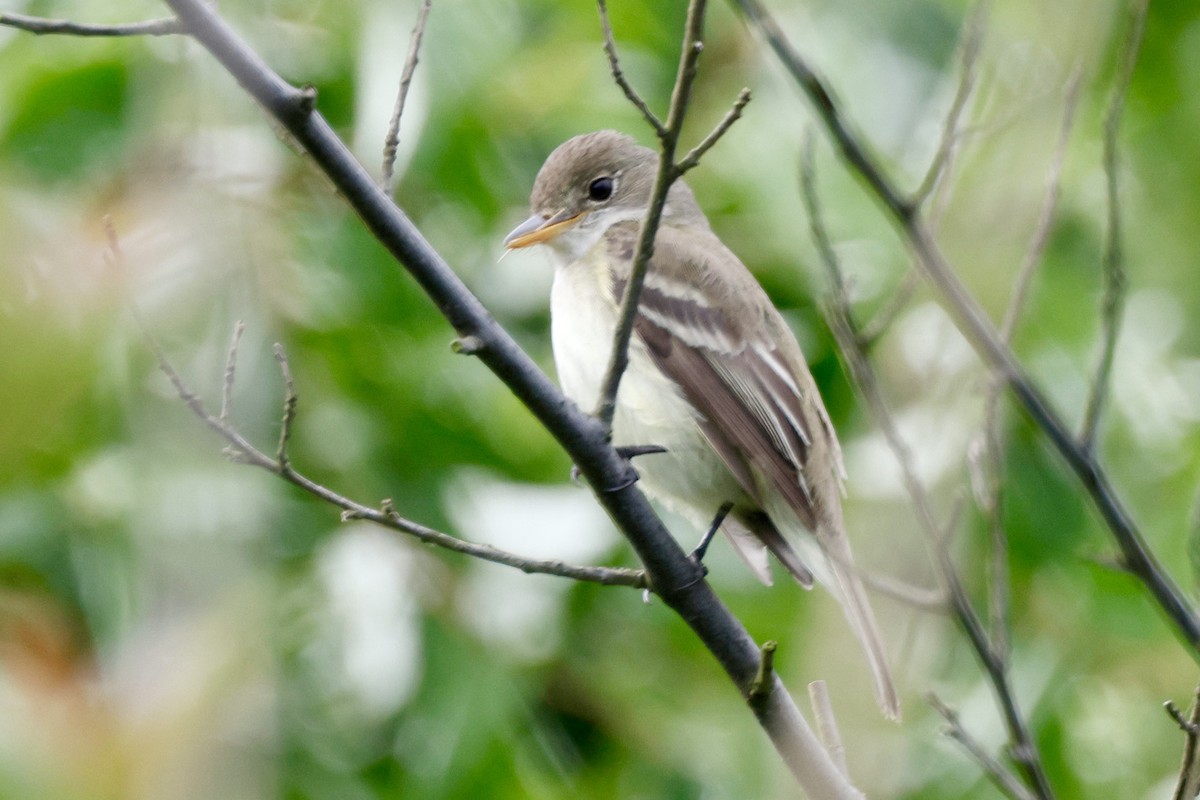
[{"x": 697, "y": 555}]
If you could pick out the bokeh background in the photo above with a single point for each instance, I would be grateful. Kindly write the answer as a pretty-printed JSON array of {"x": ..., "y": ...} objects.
[{"x": 173, "y": 625}]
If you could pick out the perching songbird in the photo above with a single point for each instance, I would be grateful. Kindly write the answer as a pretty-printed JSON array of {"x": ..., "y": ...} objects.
[{"x": 715, "y": 375}]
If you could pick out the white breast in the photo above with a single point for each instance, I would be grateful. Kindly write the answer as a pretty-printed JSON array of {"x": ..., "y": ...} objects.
[{"x": 690, "y": 477}]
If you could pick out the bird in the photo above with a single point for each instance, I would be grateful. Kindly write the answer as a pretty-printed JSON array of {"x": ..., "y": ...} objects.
[{"x": 715, "y": 377}]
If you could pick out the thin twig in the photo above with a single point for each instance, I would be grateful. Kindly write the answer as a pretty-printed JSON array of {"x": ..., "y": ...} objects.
[
  {"x": 1045, "y": 223},
  {"x": 969, "y": 48},
  {"x": 230, "y": 371},
  {"x": 289, "y": 409},
  {"x": 878, "y": 325},
  {"x": 989, "y": 465},
  {"x": 1113, "y": 301},
  {"x": 668, "y": 172},
  {"x": 1188, "y": 785},
  {"x": 864, "y": 377},
  {"x": 1001, "y": 776},
  {"x": 610, "y": 49},
  {"x": 165, "y": 26},
  {"x": 246, "y": 453},
  {"x": 392, "y": 141},
  {"x": 731, "y": 116},
  {"x": 827, "y": 728},
  {"x": 979, "y": 332}
]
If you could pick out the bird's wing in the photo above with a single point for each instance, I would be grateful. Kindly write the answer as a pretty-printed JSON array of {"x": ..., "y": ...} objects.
[{"x": 713, "y": 331}]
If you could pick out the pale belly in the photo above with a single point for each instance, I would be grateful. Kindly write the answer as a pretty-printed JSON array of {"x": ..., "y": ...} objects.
[{"x": 690, "y": 477}]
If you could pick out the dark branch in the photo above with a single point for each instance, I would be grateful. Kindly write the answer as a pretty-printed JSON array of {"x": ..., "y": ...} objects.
[
  {"x": 392, "y": 140},
  {"x": 166, "y": 26}
]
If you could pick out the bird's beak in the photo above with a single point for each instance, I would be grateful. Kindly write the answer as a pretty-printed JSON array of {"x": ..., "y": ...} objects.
[{"x": 540, "y": 228}]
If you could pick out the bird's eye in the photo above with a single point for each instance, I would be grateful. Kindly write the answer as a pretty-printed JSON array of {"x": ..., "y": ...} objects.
[{"x": 600, "y": 189}]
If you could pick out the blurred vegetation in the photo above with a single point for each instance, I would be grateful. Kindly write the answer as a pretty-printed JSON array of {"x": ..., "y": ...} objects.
[{"x": 176, "y": 626}]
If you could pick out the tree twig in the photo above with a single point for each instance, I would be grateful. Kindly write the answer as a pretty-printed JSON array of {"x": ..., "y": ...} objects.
[
  {"x": 989, "y": 465},
  {"x": 969, "y": 47},
  {"x": 668, "y": 172},
  {"x": 863, "y": 375},
  {"x": 165, "y": 26},
  {"x": 614, "y": 64},
  {"x": 289, "y": 410},
  {"x": 1112, "y": 302},
  {"x": 1001, "y": 776},
  {"x": 392, "y": 141},
  {"x": 1188, "y": 785},
  {"x": 230, "y": 371},
  {"x": 979, "y": 332}
]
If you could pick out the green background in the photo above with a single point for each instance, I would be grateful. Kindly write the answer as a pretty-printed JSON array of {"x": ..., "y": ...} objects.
[{"x": 176, "y": 626}]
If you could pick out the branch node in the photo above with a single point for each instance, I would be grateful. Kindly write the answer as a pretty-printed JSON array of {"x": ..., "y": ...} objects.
[
  {"x": 306, "y": 100},
  {"x": 468, "y": 345},
  {"x": 763, "y": 683}
]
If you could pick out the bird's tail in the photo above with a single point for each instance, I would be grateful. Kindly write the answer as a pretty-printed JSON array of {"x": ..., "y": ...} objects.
[{"x": 848, "y": 588}]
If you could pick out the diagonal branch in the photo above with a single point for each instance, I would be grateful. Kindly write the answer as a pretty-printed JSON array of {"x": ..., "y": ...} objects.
[
  {"x": 997, "y": 773},
  {"x": 980, "y": 333},
  {"x": 845, "y": 331},
  {"x": 989, "y": 464},
  {"x": 1113, "y": 301},
  {"x": 165, "y": 26}
]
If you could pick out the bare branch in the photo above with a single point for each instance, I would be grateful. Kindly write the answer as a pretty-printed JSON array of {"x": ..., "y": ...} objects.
[
  {"x": 1188, "y": 785},
  {"x": 979, "y": 332},
  {"x": 733, "y": 115},
  {"x": 666, "y": 174},
  {"x": 969, "y": 47},
  {"x": 989, "y": 462},
  {"x": 999, "y": 775},
  {"x": 879, "y": 324},
  {"x": 1041, "y": 233},
  {"x": 230, "y": 371},
  {"x": 610, "y": 49},
  {"x": 165, "y": 26},
  {"x": 864, "y": 378},
  {"x": 387, "y": 516},
  {"x": 392, "y": 140},
  {"x": 289, "y": 409},
  {"x": 1113, "y": 302}
]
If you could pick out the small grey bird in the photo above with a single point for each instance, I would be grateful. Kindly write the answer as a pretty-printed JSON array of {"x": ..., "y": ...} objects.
[{"x": 715, "y": 376}]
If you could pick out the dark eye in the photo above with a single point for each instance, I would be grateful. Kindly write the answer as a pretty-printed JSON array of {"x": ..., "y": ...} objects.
[{"x": 600, "y": 189}]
